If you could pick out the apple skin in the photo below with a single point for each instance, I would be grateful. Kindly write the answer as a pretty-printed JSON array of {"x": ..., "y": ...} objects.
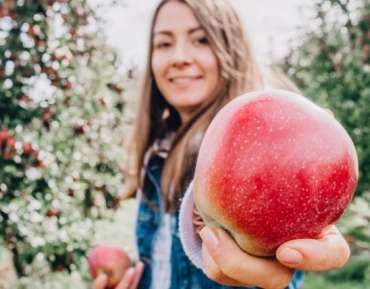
[
  {"x": 272, "y": 167},
  {"x": 108, "y": 259}
]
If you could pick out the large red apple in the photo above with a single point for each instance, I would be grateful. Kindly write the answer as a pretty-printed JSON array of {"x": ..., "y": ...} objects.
[
  {"x": 108, "y": 259},
  {"x": 272, "y": 167}
]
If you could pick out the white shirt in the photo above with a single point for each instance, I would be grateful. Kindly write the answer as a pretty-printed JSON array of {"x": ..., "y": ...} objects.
[{"x": 161, "y": 257}]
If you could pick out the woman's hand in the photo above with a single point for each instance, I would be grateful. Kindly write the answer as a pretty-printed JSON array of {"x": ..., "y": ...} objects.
[
  {"x": 329, "y": 251},
  {"x": 225, "y": 263},
  {"x": 198, "y": 222},
  {"x": 130, "y": 279}
]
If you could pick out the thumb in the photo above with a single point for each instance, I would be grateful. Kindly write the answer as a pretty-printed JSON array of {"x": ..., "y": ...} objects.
[
  {"x": 330, "y": 251},
  {"x": 101, "y": 281}
]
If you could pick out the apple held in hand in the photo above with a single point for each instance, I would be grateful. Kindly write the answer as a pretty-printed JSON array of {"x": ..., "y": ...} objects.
[
  {"x": 108, "y": 259},
  {"x": 273, "y": 167}
]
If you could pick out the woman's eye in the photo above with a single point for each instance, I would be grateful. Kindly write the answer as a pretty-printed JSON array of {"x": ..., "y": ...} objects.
[
  {"x": 203, "y": 40},
  {"x": 162, "y": 45}
]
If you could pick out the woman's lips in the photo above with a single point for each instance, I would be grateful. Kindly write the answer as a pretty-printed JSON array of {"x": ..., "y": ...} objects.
[{"x": 184, "y": 79}]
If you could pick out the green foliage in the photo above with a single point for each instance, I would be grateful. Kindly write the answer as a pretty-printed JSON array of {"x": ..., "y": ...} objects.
[
  {"x": 355, "y": 223},
  {"x": 358, "y": 268},
  {"x": 29, "y": 52},
  {"x": 318, "y": 281},
  {"x": 356, "y": 274}
]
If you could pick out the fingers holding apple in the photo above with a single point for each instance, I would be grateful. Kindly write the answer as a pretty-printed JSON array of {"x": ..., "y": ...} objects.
[
  {"x": 108, "y": 263},
  {"x": 101, "y": 281},
  {"x": 225, "y": 263},
  {"x": 130, "y": 279},
  {"x": 198, "y": 222}
]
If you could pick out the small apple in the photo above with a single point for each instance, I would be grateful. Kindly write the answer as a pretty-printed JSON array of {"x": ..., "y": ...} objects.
[
  {"x": 273, "y": 167},
  {"x": 108, "y": 259}
]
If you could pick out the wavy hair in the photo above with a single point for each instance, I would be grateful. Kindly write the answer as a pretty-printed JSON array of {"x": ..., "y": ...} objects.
[{"x": 239, "y": 73}]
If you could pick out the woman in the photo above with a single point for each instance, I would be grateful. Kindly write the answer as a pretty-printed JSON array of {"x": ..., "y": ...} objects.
[{"x": 199, "y": 59}]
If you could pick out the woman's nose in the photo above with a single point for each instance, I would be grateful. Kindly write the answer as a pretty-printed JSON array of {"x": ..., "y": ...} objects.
[{"x": 181, "y": 55}]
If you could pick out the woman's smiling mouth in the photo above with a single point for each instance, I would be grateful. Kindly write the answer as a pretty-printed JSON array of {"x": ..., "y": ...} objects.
[{"x": 184, "y": 79}]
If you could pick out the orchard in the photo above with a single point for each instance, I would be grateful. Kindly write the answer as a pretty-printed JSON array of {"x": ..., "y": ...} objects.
[{"x": 65, "y": 111}]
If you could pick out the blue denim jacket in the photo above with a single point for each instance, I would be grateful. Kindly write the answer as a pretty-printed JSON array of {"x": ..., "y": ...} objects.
[{"x": 184, "y": 275}]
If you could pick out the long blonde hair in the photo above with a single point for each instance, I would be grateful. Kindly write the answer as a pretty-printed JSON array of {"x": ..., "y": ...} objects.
[{"x": 239, "y": 73}]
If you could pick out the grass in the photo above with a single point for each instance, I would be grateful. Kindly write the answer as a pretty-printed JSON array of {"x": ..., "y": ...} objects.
[
  {"x": 354, "y": 275},
  {"x": 320, "y": 281}
]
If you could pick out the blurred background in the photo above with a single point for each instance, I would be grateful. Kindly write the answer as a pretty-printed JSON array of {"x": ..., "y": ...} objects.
[{"x": 69, "y": 75}]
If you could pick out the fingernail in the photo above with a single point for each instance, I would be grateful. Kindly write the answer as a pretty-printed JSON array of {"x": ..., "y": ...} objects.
[
  {"x": 290, "y": 256},
  {"x": 140, "y": 265},
  {"x": 208, "y": 236},
  {"x": 130, "y": 271}
]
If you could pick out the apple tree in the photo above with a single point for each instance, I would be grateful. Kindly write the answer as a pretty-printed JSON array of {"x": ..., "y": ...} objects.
[{"x": 61, "y": 132}]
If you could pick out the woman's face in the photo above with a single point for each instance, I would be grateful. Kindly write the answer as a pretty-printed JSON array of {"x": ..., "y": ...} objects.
[{"x": 183, "y": 64}]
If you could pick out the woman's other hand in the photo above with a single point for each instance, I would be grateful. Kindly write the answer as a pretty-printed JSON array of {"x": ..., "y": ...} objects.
[{"x": 130, "y": 279}]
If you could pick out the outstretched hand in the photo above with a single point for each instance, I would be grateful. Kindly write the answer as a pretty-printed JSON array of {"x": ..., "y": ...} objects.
[{"x": 225, "y": 263}]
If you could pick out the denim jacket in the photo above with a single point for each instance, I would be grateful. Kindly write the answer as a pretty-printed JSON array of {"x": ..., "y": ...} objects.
[{"x": 184, "y": 275}]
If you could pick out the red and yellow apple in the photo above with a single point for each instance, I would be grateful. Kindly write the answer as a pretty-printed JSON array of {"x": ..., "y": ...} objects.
[
  {"x": 272, "y": 167},
  {"x": 110, "y": 260}
]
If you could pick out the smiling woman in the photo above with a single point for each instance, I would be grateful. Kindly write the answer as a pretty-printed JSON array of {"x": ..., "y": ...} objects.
[
  {"x": 184, "y": 66},
  {"x": 199, "y": 59}
]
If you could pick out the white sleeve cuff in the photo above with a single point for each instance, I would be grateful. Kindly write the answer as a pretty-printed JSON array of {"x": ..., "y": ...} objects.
[{"x": 190, "y": 240}]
